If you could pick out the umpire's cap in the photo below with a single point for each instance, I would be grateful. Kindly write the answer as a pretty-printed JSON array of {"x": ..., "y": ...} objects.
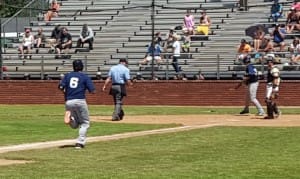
[
  {"x": 77, "y": 65},
  {"x": 123, "y": 60}
]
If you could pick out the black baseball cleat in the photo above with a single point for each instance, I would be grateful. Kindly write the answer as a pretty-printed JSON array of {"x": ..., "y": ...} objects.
[
  {"x": 79, "y": 146},
  {"x": 244, "y": 112},
  {"x": 116, "y": 119},
  {"x": 73, "y": 123},
  {"x": 122, "y": 114},
  {"x": 268, "y": 117}
]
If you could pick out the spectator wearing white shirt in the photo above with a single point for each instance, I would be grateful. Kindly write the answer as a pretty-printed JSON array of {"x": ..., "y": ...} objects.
[
  {"x": 295, "y": 50},
  {"x": 176, "y": 53},
  {"x": 27, "y": 43}
]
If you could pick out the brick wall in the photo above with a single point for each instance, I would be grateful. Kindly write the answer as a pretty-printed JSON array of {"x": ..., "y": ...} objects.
[{"x": 198, "y": 93}]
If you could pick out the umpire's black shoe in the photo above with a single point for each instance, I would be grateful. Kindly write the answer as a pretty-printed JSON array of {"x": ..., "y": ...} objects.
[
  {"x": 122, "y": 114},
  {"x": 269, "y": 117},
  {"x": 116, "y": 119},
  {"x": 244, "y": 112}
]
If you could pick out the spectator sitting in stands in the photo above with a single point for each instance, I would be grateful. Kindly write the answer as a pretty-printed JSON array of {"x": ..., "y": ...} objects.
[
  {"x": 266, "y": 45},
  {"x": 204, "y": 24},
  {"x": 27, "y": 43},
  {"x": 86, "y": 36},
  {"x": 292, "y": 21},
  {"x": 295, "y": 51},
  {"x": 243, "y": 50},
  {"x": 278, "y": 35},
  {"x": 53, "y": 11},
  {"x": 169, "y": 39},
  {"x": 39, "y": 39},
  {"x": 64, "y": 43},
  {"x": 158, "y": 38},
  {"x": 186, "y": 43},
  {"x": 276, "y": 11},
  {"x": 258, "y": 37},
  {"x": 153, "y": 49},
  {"x": 296, "y": 5},
  {"x": 188, "y": 23},
  {"x": 55, "y": 36}
]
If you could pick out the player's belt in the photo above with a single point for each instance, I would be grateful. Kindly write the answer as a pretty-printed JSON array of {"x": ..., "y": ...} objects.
[{"x": 117, "y": 84}]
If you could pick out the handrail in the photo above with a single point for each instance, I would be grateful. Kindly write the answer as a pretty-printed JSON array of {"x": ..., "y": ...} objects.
[
  {"x": 29, "y": 12},
  {"x": 17, "y": 13}
]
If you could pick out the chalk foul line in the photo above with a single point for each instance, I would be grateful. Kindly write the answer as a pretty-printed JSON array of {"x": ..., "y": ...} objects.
[{"x": 59, "y": 143}]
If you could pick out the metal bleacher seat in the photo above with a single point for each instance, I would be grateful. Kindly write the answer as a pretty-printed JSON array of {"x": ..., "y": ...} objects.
[{"x": 124, "y": 28}]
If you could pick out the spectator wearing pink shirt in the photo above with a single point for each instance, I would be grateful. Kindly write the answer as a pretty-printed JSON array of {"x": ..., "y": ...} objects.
[
  {"x": 296, "y": 5},
  {"x": 188, "y": 23}
]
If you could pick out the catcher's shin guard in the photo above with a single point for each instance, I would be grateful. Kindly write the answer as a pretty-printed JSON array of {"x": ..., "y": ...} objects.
[{"x": 270, "y": 109}]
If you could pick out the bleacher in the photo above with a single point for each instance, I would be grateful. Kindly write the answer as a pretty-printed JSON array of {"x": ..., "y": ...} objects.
[{"x": 124, "y": 28}]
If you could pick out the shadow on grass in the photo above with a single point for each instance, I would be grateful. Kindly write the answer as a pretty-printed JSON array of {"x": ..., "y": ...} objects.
[{"x": 67, "y": 146}]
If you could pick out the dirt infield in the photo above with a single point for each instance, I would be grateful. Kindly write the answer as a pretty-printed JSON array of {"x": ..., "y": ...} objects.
[
  {"x": 194, "y": 120},
  {"x": 188, "y": 122}
]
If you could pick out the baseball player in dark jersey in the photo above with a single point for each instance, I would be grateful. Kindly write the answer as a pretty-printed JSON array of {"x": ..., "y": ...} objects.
[
  {"x": 74, "y": 86},
  {"x": 273, "y": 81},
  {"x": 251, "y": 80},
  {"x": 119, "y": 75}
]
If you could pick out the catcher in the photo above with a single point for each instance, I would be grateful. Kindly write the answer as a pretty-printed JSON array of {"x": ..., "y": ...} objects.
[
  {"x": 273, "y": 81},
  {"x": 251, "y": 80}
]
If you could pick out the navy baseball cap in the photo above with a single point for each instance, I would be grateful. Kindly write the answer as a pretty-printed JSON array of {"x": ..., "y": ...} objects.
[
  {"x": 77, "y": 65},
  {"x": 123, "y": 60}
]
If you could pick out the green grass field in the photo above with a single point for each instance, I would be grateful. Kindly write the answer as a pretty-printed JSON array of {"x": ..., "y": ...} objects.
[{"x": 216, "y": 152}]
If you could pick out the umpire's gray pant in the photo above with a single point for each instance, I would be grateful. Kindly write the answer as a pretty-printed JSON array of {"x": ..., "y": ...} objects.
[
  {"x": 118, "y": 95},
  {"x": 251, "y": 97},
  {"x": 79, "y": 110}
]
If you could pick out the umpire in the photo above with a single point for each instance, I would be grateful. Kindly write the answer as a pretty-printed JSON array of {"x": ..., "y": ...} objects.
[
  {"x": 119, "y": 75},
  {"x": 251, "y": 80}
]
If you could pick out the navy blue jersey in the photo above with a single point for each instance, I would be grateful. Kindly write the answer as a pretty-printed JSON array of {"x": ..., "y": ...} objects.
[
  {"x": 251, "y": 72},
  {"x": 75, "y": 84}
]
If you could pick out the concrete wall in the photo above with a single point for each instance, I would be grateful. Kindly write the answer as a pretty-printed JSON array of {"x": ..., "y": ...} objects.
[{"x": 198, "y": 93}]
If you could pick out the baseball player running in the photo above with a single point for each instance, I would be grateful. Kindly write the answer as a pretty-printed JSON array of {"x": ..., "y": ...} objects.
[
  {"x": 74, "y": 85},
  {"x": 273, "y": 81},
  {"x": 251, "y": 80}
]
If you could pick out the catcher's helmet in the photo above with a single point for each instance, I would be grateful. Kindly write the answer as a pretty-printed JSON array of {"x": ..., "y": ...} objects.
[
  {"x": 247, "y": 59},
  {"x": 77, "y": 65}
]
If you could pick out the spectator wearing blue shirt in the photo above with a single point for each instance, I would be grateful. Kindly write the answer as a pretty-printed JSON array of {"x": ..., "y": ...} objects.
[
  {"x": 279, "y": 36},
  {"x": 155, "y": 50},
  {"x": 119, "y": 76},
  {"x": 276, "y": 11},
  {"x": 251, "y": 80},
  {"x": 74, "y": 86}
]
